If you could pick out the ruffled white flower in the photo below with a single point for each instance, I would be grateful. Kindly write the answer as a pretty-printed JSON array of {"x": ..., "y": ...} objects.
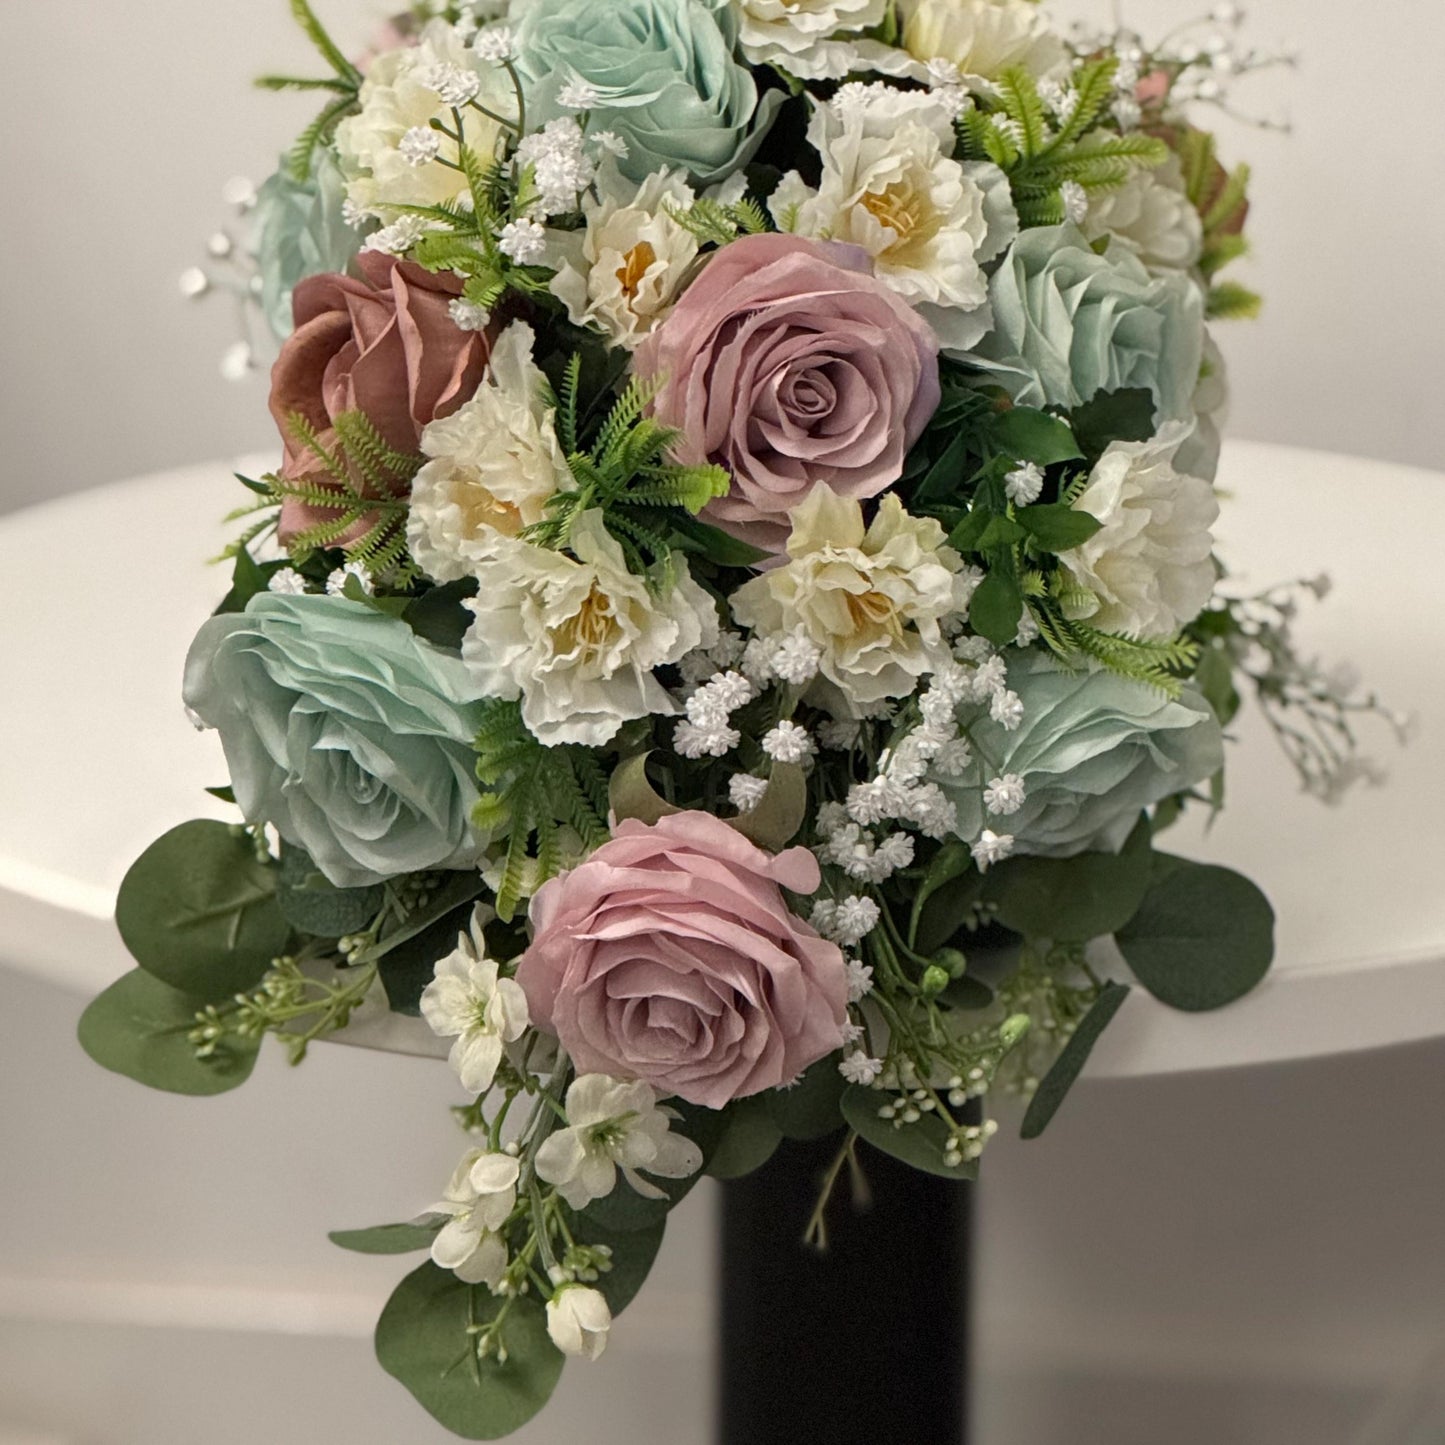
[
  {"x": 1149, "y": 568},
  {"x": 478, "y": 1202},
  {"x": 872, "y": 600},
  {"x": 578, "y": 637},
  {"x": 613, "y": 1125},
  {"x": 494, "y": 464},
  {"x": 622, "y": 273},
  {"x": 890, "y": 185},
  {"x": 400, "y": 97},
  {"x": 468, "y": 1000},
  {"x": 1151, "y": 215},
  {"x": 979, "y": 38},
  {"x": 802, "y": 37},
  {"x": 578, "y": 1320}
]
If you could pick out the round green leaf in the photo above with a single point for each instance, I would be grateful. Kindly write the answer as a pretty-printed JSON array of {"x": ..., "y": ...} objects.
[
  {"x": 920, "y": 1144},
  {"x": 997, "y": 608},
  {"x": 1070, "y": 1062},
  {"x": 198, "y": 910},
  {"x": 139, "y": 1026},
  {"x": 1203, "y": 936},
  {"x": 424, "y": 1339},
  {"x": 749, "y": 1140},
  {"x": 633, "y": 1254},
  {"x": 387, "y": 1238},
  {"x": 312, "y": 905},
  {"x": 811, "y": 1108}
]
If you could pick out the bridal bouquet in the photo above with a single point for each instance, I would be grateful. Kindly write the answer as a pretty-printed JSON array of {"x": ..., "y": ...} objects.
[{"x": 732, "y": 623}]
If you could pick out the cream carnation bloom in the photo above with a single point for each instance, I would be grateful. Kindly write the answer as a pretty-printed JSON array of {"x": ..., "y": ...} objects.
[
  {"x": 495, "y": 463},
  {"x": 1152, "y": 216},
  {"x": 623, "y": 273},
  {"x": 980, "y": 38},
  {"x": 871, "y": 600},
  {"x": 891, "y": 186},
  {"x": 799, "y": 36},
  {"x": 399, "y": 95},
  {"x": 1149, "y": 568},
  {"x": 578, "y": 637}
]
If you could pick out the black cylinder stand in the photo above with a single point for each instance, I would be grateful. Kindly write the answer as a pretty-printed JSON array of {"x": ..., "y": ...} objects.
[{"x": 866, "y": 1344}]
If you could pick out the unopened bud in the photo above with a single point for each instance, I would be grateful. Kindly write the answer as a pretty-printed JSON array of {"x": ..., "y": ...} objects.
[{"x": 935, "y": 980}]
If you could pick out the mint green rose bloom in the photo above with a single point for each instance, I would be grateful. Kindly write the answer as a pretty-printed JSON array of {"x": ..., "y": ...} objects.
[
  {"x": 344, "y": 730},
  {"x": 664, "y": 70},
  {"x": 1069, "y": 323},
  {"x": 1093, "y": 751},
  {"x": 298, "y": 231}
]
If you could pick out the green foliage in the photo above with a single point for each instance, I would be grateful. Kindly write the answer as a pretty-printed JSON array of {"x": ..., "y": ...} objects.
[
  {"x": 1162, "y": 663},
  {"x": 751, "y": 1136},
  {"x": 408, "y": 966},
  {"x": 444, "y": 1340},
  {"x": 713, "y": 223},
  {"x": 1070, "y": 1063},
  {"x": 248, "y": 579},
  {"x": 387, "y": 1238},
  {"x": 632, "y": 1251},
  {"x": 812, "y": 1107},
  {"x": 1126, "y": 415},
  {"x": 141, "y": 1027},
  {"x": 198, "y": 910},
  {"x": 438, "y": 616},
  {"x": 312, "y": 905},
  {"x": 1229, "y": 301},
  {"x": 1202, "y": 937},
  {"x": 921, "y": 1144}
]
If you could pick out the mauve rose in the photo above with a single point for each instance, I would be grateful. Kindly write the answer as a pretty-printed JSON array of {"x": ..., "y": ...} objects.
[
  {"x": 383, "y": 343},
  {"x": 789, "y": 364},
  {"x": 671, "y": 956}
]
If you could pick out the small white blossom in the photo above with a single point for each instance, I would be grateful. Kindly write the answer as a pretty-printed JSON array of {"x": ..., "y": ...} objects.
[
  {"x": 1024, "y": 484},
  {"x": 496, "y": 45},
  {"x": 1007, "y": 709},
  {"x": 853, "y": 1033},
  {"x": 1005, "y": 795},
  {"x": 578, "y": 94},
  {"x": 578, "y": 1320},
  {"x": 468, "y": 316},
  {"x": 559, "y": 163},
  {"x": 873, "y": 802},
  {"x": 977, "y": 650},
  {"x": 832, "y": 818},
  {"x": 796, "y": 658},
  {"x": 896, "y": 850},
  {"x": 858, "y": 1068},
  {"x": 399, "y": 237},
  {"x": 455, "y": 85},
  {"x": 757, "y": 661},
  {"x": 746, "y": 791},
  {"x": 613, "y": 1125},
  {"x": 288, "y": 582},
  {"x": 478, "y": 1202},
  {"x": 1008, "y": 127},
  {"x": 336, "y": 582},
  {"x": 953, "y": 757},
  {"x": 1128, "y": 112},
  {"x": 1076, "y": 202},
  {"x": 354, "y": 215},
  {"x": 860, "y": 980},
  {"x": 788, "y": 743},
  {"x": 992, "y": 848},
  {"x": 523, "y": 241},
  {"x": 931, "y": 812},
  {"x": 857, "y": 917},
  {"x": 420, "y": 145},
  {"x": 692, "y": 741},
  {"x": 608, "y": 143}
]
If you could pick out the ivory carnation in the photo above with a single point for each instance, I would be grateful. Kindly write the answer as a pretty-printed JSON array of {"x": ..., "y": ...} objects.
[
  {"x": 1149, "y": 568},
  {"x": 981, "y": 38},
  {"x": 579, "y": 637},
  {"x": 494, "y": 464},
  {"x": 1152, "y": 216},
  {"x": 802, "y": 37},
  {"x": 672, "y": 956},
  {"x": 871, "y": 600}
]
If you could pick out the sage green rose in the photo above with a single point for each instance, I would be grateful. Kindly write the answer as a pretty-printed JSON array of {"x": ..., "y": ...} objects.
[
  {"x": 1093, "y": 751},
  {"x": 665, "y": 73},
  {"x": 343, "y": 729},
  {"x": 1069, "y": 323},
  {"x": 298, "y": 231}
]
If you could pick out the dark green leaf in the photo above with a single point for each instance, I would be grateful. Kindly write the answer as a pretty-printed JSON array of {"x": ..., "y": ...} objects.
[
  {"x": 964, "y": 537},
  {"x": 438, "y": 615},
  {"x": 997, "y": 608},
  {"x": 1067, "y": 1067},
  {"x": 1057, "y": 527},
  {"x": 967, "y": 993},
  {"x": 387, "y": 1238},
  {"x": 1034, "y": 436},
  {"x": 947, "y": 908},
  {"x": 945, "y": 480},
  {"x": 1114, "y": 416},
  {"x": 139, "y": 1026},
  {"x": 1203, "y": 936},
  {"x": 714, "y": 544},
  {"x": 198, "y": 910},
  {"x": 1073, "y": 900},
  {"x": 633, "y": 1254},
  {"x": 1215, "y": 678},
  {"x": 425, "y": 1339},
  {"x": 952, "y": 860},
  {"x": 1000, "y": 532},
  {"x": 408, "y": 968},
  {"x": 750, "y": 1137},
  {"x": 920, "y": 1144},
  {"x": 248, "y": 578},
  {"x": 317, "y": 907},
  {"x": 226, "y": 794},
  {"x": 811, "y": 1108}
]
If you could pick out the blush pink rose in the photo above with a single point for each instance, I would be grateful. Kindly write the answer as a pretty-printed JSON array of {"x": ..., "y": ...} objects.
[
  {"x": 671, "y": 956},
  {"x": 789, "y": 364},
  {"x": 383, "y": 343}
]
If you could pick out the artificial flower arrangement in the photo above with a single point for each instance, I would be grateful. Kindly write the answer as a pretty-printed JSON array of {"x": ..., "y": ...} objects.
[{"x": 734, "y": 619}]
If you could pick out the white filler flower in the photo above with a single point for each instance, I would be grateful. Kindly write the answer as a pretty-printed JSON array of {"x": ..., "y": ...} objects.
[
  {"x": 1149, "y": 568},
  {"x": 467, "y": 999},
  {"x": 613, "y": 1125},
  {"x": 478, "y": 1202},
  {"x": 495, "y": 463},
  {"x": 578, "y": 637},
  {"x": 578, "y": 1321}
]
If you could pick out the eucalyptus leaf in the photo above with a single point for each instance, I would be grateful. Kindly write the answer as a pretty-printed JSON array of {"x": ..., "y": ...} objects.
[
  {"x": 426, "y": 1339},
  {"x": 388, "y": 1238},
  {"x": 779, "y": 813},
  {"x": 313, "y": 905},
  {"x": 139, "y": 1027},
  {"x": 1126, "y": 415},
  {"x": 811, "y": 1108},
  {"x": 633, "y": 1253},
  {"x": 1203, "y": 936},
  {"x": 946, "y": 909},
  {"x": 1070, "y": 1063},
  {"x": 920, "y": 1144},
  {"x": 1058, "y": 527},
  {"x": 198, "y": 910},
  {"x": 1034, "y": 436},
  {"x": 438, "y": 616},
  {"x": 631, "y": 794},
  {"x": 750, "y": 1138}
]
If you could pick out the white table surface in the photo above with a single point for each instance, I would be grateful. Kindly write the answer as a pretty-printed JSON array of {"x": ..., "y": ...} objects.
[{"x": 105, "y": 589}]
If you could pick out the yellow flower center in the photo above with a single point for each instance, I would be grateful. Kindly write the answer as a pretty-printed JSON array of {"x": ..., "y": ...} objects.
[
  {"x": 872, "y": 612},
  {"x": 905, "y": 210},
  {"x": 590, "y": 629},
  {"x": 634, "y": 268},
  {"x": 484, "y": 511}
]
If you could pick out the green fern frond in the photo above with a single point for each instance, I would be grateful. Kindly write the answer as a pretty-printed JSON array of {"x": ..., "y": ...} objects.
[
  {"x": 298, "y": 160},
  {"x": 1229, "y": 301},
  {"x": 1094, "y": 86},
  {"x": 1196, "y": 156},
  {"x": 330, "y": 51},
  {"x": 1018, "y": 93},
  {"x": 567, "y": 404}
]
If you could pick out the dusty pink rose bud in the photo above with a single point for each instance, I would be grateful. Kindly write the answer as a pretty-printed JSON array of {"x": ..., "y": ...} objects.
[
  {"x": 384, "y": 344},
  {"x": 789, "y": 364},
  {"x": 671, "y": 956}
]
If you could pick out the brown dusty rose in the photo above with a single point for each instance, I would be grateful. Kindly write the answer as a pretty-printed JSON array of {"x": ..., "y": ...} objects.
[
  {"x": 383, "y": 343},
  {"x": 789, "y": 364},
  {"x": 671, "y": 956}
]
